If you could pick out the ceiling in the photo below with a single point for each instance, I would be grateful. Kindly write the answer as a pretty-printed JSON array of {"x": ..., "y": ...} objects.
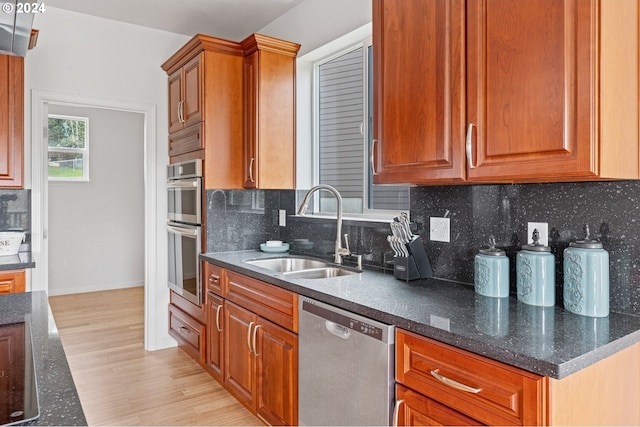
[{"x": 230, "y": 19}]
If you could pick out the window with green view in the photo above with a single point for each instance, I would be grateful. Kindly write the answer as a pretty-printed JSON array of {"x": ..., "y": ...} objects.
[{"x": 68, "y": 146}]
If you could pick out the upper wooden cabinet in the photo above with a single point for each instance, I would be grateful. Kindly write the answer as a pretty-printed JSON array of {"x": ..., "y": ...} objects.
[
  {"x": 536, "y": 91},
  {"x": 269, "y": 113},
  {"x": 418, "y": 92},
  {"x": 185, "y": 94},
  {"x": 205, "y": 108},
  {"x": 11, "y": 121}
]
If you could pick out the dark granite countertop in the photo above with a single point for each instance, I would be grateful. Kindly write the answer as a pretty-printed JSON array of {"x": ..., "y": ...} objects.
[
  {"x": 17, "y": 262},
  {"x": 57, "y": 394},
  {"x": 545, "y": 340}
]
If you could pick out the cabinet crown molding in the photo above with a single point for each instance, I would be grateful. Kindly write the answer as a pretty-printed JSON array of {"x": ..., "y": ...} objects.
[
  {"x": 259, "y": 41},
  {"x": 197, "y": 44}
]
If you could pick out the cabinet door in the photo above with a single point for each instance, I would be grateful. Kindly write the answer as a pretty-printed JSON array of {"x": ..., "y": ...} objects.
[
  {"x": 11, "y": 120},
  {"x": 414, "y": 409},
  {"x": 192, "y": 96},
  {"x": 215, "y": 335},
  {"x": 250, "y": 84},
  {"x": 12, "y": 368},
  {"x": 529, "y": 89},
  {"x": 419, "y": 123},
  {"x": 239, "y": 371},
  {"x": 12, "y": 281},
  {"x": 175, "y": 101},
  {"x": 277, "y": 372}
]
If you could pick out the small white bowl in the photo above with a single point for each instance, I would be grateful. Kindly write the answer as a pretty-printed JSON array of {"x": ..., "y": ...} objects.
[{"x": 272, "y": 243}]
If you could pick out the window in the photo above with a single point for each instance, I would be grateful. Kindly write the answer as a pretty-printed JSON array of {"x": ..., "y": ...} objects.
[
  {"x": 343, "y": 140},
  {"x": 68, "y": 146}
]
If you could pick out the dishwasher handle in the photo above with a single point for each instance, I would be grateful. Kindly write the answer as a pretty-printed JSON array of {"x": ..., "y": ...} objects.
[{"x": 337, "y": 330}]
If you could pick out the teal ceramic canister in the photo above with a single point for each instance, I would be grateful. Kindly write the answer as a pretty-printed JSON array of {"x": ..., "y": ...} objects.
[
  {"x": 535, "y": 272},
  {"x": 491, "y": 271},
  {"x": 586, "y": 278}
]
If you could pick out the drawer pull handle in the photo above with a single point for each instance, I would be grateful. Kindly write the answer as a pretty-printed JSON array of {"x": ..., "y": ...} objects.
[
  {"x": 454, "y": 384},
  {"x": 218, "y": 310},
  {"x": 396, "y": 412},
  {"x": 249, "y": 337},
  {"x": 469, "y": 145},
  {"x": 255, "y": 331},
  {"x": 184, "y": 330},
  {"x": 213, "y": 279}
]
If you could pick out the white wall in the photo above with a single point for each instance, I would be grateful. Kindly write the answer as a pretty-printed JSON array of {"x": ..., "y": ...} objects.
[
  {"x": 96, "y": 228},
  {"x": 92, "y": 57},
  {"x": 321, "y": 27}
]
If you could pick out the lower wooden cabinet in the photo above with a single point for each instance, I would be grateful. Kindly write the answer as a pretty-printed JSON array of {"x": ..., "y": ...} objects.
[
  {"x": 12, "y": 281},
  {"x": 414, "y": 409},
  {"x": 470, "y": 385},
  {"x": 255, "y": 358},
  {"x": 189, "y": 333}
]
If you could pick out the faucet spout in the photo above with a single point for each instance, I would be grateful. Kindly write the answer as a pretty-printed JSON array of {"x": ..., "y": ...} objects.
[{"x": 339, "y": 250}]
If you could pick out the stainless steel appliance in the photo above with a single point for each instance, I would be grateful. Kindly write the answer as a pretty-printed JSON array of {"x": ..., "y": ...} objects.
[
  {"x": 345, "y": 367},
  {"x": 184, "y": 187}
]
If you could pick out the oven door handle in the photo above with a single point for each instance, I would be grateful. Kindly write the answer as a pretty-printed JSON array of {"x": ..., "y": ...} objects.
[
  {"x": 184, "y": 183},
  {"x": 183, "y": 230}
]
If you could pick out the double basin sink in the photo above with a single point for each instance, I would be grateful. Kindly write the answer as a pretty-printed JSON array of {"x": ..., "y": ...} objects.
[{"x": 301, "y": 268}]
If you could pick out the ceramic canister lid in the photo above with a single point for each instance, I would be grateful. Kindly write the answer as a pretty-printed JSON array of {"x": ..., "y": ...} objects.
[
  {"x": 536, "y": 246},
  {"x": 587, "y": 242},
  {"x": 492, "y": 250}
]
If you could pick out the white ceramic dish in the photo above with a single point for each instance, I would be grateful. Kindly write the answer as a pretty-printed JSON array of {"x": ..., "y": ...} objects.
[
  {"x": 273, "y": 243},
  {"x": 274, "y": 249}
]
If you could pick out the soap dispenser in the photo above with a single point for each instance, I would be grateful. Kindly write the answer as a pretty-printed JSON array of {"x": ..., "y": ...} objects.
[
  {"x": 535, "y": 271},
  {"x": 491, "y": 271},
  {"x": 586, "y": 277}
]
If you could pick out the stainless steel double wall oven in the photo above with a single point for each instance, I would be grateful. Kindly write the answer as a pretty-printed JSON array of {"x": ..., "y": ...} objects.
[{"x": 184, "y": 225}]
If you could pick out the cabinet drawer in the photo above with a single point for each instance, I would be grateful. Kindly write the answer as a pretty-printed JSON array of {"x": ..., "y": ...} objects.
[
  {"x": 271, "y": 302},
  {"x": 12, "y": 281},
  {"x": 481, "y": 388},
  {"x": 213, "y": 278},
  {"x": 186, "y": 140},
  {"x": 189, "y": 333}
]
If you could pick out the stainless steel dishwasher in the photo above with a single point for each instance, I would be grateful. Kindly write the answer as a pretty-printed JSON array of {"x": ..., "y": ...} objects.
[{"x": 345, "y": 367}]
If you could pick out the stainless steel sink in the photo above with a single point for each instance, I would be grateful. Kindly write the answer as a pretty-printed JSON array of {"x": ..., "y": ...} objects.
[
  {"x": 320, "y": 273},
  {"x": 287, "y": 264}
]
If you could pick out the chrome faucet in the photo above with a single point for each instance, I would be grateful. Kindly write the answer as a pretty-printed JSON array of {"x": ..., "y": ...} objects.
[{"x": 339, "y": 250}]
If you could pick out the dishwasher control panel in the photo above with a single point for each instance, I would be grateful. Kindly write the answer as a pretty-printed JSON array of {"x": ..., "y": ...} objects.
[{"x": 350, "y": 322}]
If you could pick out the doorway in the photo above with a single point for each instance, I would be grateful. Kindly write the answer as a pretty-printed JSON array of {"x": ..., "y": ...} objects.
[{"x": 156, "y": 297}]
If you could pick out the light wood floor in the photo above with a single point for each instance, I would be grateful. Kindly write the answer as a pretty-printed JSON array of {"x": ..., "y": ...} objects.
[{"x": 120, "y": 383}]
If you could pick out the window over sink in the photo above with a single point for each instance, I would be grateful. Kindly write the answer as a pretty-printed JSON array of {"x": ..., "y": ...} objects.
[
  {"x": 343, "y": 118},
  {"x": 68, "y": 148}
]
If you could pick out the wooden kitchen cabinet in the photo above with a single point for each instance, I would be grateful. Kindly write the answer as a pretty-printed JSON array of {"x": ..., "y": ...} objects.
[
  {"x": 535, "y": 92},
  {"x": 215, "y": 336},
  {"x": 205, "y": 108},
  {"x": 269, "y": 155},
  {"x": 418, "y": 94},
  {"x": 252, "y": 347},
  {"x": 482, "y": 389},
  {"x": 189, "y": 333},
  {"x": 11, "y": 121},
  {"x": 476, "y": 389},
  {"x": 12, "y": 368},
  {"x": 185, "y": 94},
  {"x": 12, "y": 281}
]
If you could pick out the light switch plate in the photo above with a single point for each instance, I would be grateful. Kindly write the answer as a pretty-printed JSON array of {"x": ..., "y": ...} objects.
[
  {"x": 543, "y": 229},
  {"x": 439, "y": 229},
  {"x": 282, "y": 220}
]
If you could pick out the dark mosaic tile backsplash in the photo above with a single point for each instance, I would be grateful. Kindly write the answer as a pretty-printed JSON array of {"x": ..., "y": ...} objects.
[
  {"x": 239, "y": 220},
  {"x": 15, "y": 213}
]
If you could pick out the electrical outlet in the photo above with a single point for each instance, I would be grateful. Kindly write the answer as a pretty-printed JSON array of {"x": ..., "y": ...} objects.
[
  {"x": 543, "y": 229},
  {"x": 439, "y": 229},
  {"x": 282, "y": 214}
]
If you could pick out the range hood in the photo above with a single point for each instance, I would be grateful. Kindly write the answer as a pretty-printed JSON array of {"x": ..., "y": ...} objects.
[{"x": 15, "y": 28}]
